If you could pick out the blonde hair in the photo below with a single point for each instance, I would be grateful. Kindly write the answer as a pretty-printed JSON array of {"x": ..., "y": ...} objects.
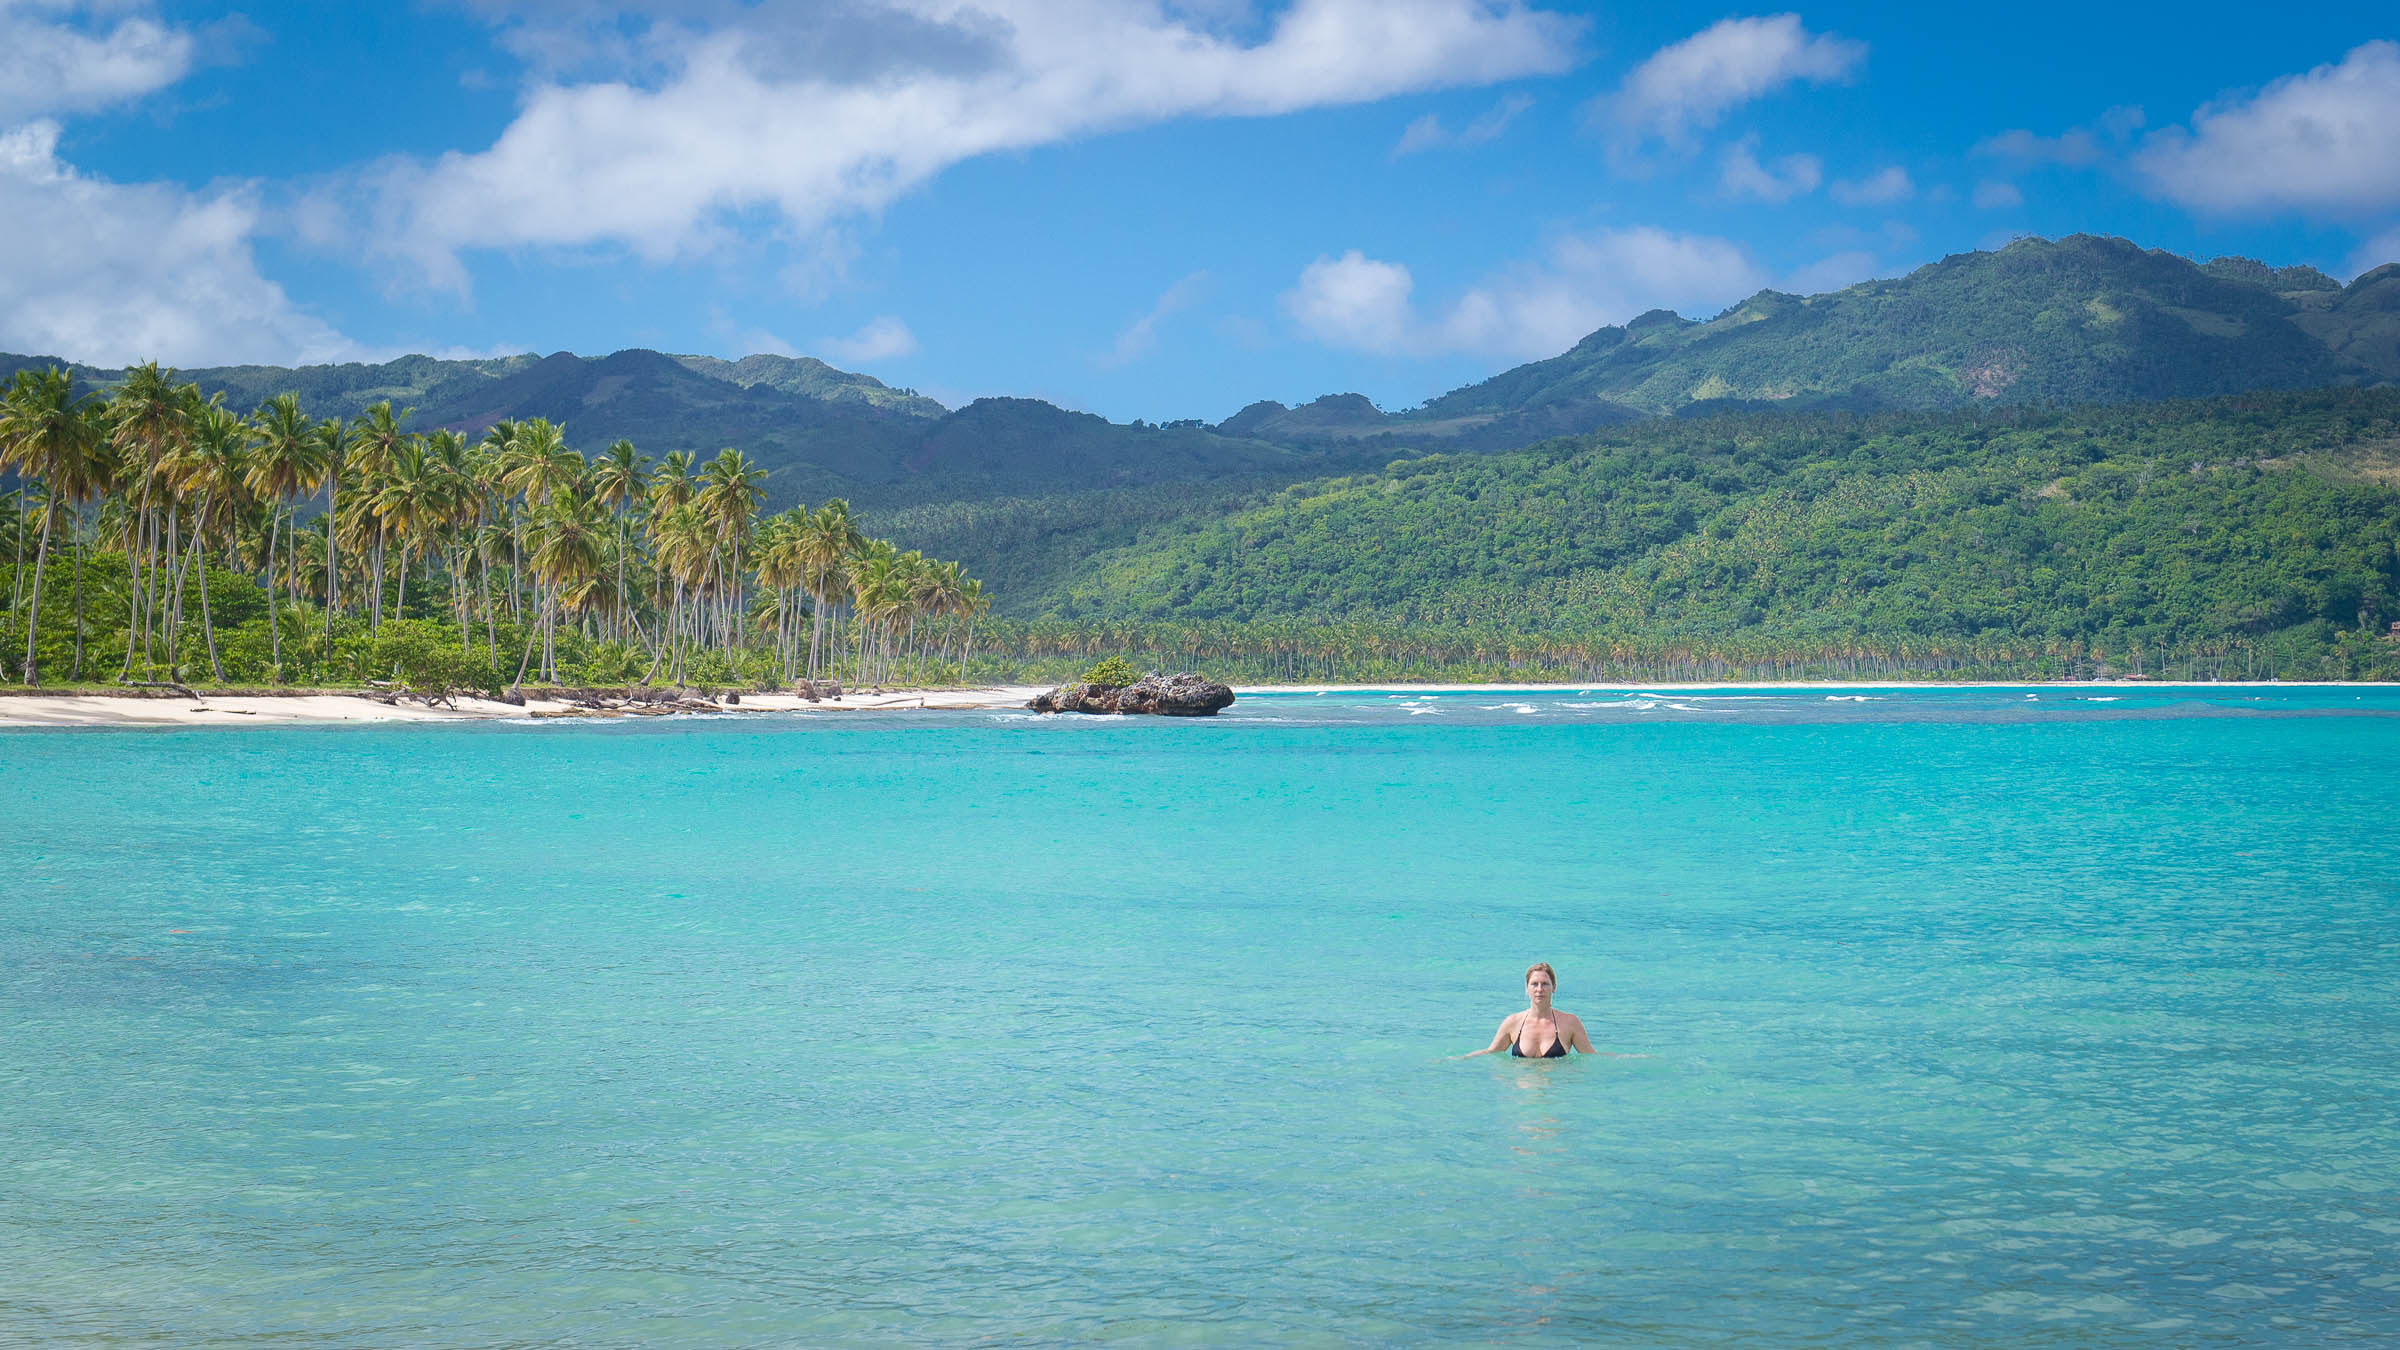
[{"x": 1544, "y": 967}]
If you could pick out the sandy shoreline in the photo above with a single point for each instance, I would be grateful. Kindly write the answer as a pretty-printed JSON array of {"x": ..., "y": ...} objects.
[
  {"x": 120, "y": 710},
  {"x": 126, "y": 710}
]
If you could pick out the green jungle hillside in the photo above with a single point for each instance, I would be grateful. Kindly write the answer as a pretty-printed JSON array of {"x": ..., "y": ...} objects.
[{"x": 2265, "y": 522}]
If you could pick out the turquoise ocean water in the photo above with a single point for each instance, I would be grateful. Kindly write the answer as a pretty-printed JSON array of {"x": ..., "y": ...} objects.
[{"x": 1974, "y": 1017}]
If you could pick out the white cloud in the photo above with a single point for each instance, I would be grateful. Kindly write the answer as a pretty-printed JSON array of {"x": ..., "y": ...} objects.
[
  {"x": 1690, "y": 86},
  {"x": 751, "y": 118},
  {"x": 55, "y": 57},
  {"x": 2075, "y": 148},
  {"x": 882, "y": 339},
  {"x": 1743, "y": 176},
  {"x": 1428, "y": 133},
  {"x": 2326, "y": 142},
  {"x": 1140, "y": 336},
  {"x": 1582, "y": 282},
  {"x": 1993, "y": 195},
  {"x": 1831, "y": 273},
  {"x": 1886, "y": 187},
  {"x": 1355, "y": 301},
  {"x": 111, "y": 273}
]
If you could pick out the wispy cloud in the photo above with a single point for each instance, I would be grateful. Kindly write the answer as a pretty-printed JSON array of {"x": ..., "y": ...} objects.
[
  {"x": 1428, "y": 133},
  {"x": 1688, "y": 87},
  {"x": 1582, "y": 281},
  {"x": 882, "y": 339},
  {"x": 1888, "y": 186},
  {"x": 1741, "y": 175},
  {"x": 1992, "y": 194},
  {"x": 1140, "y": 337}
]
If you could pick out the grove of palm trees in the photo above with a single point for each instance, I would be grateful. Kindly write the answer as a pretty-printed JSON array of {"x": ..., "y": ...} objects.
[{"x": 155, "y": 535}]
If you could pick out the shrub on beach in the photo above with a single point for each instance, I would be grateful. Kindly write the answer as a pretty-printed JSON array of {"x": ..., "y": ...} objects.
[{"x": 1111, "y": 672}]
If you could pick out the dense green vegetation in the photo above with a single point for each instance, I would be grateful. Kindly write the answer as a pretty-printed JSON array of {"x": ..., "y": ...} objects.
[
  {"x": 162, "y": 525},
  {"x": 2244, "y": 535}
]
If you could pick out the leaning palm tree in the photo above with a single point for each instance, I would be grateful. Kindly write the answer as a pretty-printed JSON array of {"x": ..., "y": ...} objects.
[
  {"x": 45, "y": 434},
  {"x": 212, "y": 467}
]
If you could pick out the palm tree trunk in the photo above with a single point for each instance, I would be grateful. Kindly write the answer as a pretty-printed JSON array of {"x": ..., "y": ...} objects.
[
  {"x": 208, "y": 627},
  {"x": 33, "y": 625},
  {"x": 274, "y": 616},
  {"x": 333, "y": 569},
  {"x": 16, "y": 576},
  {"x": 76, "y": 535}
]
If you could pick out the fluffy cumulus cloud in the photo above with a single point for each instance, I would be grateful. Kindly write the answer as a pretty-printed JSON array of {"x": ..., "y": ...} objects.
[
  {"x": 2323, "y": 143},
  {"x": 1428, "y": 133},
  {"x": 111, "y": 273},
  {"x": 1582, "y": 282},
  {"x": 1690, "y": 86},
  {"x": 1741, "y": 175},
  {"x": 60, "y": 57},
  {"x": 812, "y": 114}
]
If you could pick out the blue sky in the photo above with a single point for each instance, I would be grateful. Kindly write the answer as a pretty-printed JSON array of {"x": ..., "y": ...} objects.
[{"x": 1156, "y": 209}]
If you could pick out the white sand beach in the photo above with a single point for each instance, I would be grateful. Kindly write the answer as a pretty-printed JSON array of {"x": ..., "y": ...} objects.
[
  {"x": 123, "y": 710},
  {"x": 252, "y": 709}
]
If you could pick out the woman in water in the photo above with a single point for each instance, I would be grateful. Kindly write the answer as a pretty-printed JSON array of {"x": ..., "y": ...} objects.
[{"x": 1541, "y": 1031}]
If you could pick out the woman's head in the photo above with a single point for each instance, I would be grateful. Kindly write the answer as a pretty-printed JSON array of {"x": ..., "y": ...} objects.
[{"x": 1540, "y": 980}]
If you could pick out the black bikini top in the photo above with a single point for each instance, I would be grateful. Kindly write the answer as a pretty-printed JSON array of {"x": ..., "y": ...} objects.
[{"x": 1558, "y": 1042}]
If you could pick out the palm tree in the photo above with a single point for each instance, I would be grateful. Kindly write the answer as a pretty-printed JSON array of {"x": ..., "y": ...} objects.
[
  {"x": 288, "y": 458},
  {"x": 374, "y": 446},
  {"x": 731, "y": 488},
  {"x": 828, "y": 538},
  {"x": 619, "y": 481},
  {"x": 570, "y": 539},
  {"x": 540, "y": 466},
  {"x": 148, "y": 416},
  {"x": 334, "y": 439},
  {"x": 46, "y": 434},
  {"x": 213, "y": 465}
]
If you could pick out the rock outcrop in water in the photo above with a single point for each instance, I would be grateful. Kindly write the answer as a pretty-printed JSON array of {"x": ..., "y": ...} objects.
[{"x": 1184, "y": 695}]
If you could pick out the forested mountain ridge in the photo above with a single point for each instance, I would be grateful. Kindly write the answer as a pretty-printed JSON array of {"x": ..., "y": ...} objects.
[
  {"x": 2083, "y": 319},
  {"x": 820, "y": 432},
  {"x": 2250, "y": 519}
]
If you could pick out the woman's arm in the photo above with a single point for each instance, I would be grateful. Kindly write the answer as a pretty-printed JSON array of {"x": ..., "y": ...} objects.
[{"x": 1504, "y": 1036}]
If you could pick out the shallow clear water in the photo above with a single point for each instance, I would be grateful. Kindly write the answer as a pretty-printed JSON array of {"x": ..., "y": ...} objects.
[{"x": 1972, "y": 1018}]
